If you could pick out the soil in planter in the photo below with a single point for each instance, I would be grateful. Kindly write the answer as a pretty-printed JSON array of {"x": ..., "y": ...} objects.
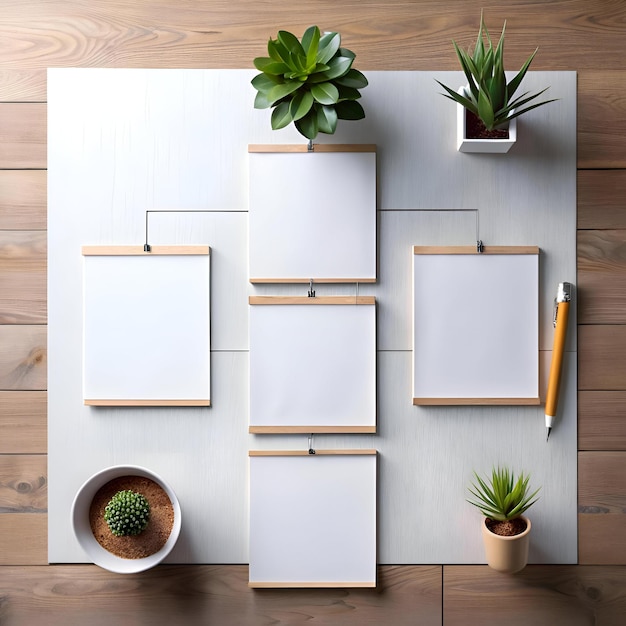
[
  {"x": 475, "y": 129},
  {"x": 506, "y": 528},
  {"x": 156, "y": 533}
]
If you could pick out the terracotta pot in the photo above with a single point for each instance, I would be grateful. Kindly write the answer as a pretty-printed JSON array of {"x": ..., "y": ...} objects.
[{"x": 506, "y": 554}]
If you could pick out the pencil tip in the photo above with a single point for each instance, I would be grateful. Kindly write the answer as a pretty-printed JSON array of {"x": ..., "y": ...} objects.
[{"x": 548, "y": 435}]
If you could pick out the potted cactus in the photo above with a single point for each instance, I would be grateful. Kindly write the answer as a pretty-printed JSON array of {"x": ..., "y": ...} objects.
[
  {"x": 127, "y": 514},
  {"x": 502, "y": 498},
  {"x": 126, "y": 518},
  {"x": 310, "y": 83},
  {"x": 486, "y": 106}
]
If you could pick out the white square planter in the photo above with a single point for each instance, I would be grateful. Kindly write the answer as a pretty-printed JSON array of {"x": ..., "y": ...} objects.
[{"x": 485, "y": 146}]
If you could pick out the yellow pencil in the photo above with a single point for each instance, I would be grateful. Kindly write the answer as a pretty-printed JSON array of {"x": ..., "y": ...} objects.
[{"x": 561, "y": 315}]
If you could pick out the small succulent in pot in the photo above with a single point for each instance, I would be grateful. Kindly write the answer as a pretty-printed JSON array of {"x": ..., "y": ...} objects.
[
  {"x": 311, "y": 82},
  {"x": 502, "y": 498},
  {"x": 488, "y": 95},
  {"x": 127, "y": 513}
]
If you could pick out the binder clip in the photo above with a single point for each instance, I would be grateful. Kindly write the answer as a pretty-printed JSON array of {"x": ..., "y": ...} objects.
[
  {"x": 311, "y": 450},
  {"x": 479, "y": 246},
  {"x": 311, "y": 290},
  {"x": 146, "y": 248},
  {"x": 309, "y": 147}
]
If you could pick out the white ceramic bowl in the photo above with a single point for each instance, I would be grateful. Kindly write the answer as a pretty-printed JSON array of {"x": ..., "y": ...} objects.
[{"x": 82, "y": 529}]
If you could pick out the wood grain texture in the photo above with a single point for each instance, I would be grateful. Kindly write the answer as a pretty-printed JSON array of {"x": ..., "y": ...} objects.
[
  {"x": 300, "y": 300},
  {"x": 23, "y": 426},
  {"x": 23, "y": 296},
  {"x": 474, "y": 250},
  {"x": 602, "y": 420},
  {"x": 23, "y": 358},
  {"x": 23, "y": 136},
  {"x": 322, "y": 147},
  {"x": 193, "y": 595},
  {"x": 22, "y": 85},
  {"x": 602, "y": 119},
  {"x": 601, "y": 276},
  {"x": 266, "y": 430},
  {"x": 578, "y": 34},
  {"x": 601, "y": 363},
  {"x": 23, "y": 541},
  {"x": 602, "y": 507},
  {"x": 139, "y": 251},
  {"x": 602, "y": 484},
  {"x": 538, "y": 595},
  {"x": 23, "y": 199},
  {"x": 306, "y": 452},
  {"x": 414, "y": 35},
  {"x": 601, "y": 199},
  {"x": 23, "y": 483},
  {"x": 602, "y": 540}
]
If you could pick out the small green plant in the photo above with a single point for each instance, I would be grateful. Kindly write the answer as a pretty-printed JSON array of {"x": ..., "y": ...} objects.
[
  {"x": 310, "y": 83},
  {"x": 503, "y": 497},
  {"x": 127, "y": 513},
  {"x": 490, "y": 96}
]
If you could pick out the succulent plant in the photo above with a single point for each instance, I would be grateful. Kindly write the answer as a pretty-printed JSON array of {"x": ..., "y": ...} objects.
[
  {"x": 502, "y": 497},
  {"x": 127, "y": 513},
  {"x": 311, "y": 83},
  {"x": 489, "y": 96}
]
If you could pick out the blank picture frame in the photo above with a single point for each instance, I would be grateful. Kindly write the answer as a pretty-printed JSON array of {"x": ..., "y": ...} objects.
[
  {"x": 313, "y": 518},
  {"x": 312, "y": 213},
  {"x": 312, "y": 364},
  {"x": 146, "y": 326},
  {"x": 476, "y": 325}
]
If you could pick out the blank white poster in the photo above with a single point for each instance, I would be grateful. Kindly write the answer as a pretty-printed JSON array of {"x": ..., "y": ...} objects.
[
  {"x": 312, "y": 215},
  {"x": 146, "y": 333},
  {"x": 312, "y": 364},
  {"x": 313, "y": 519},
  {"x": 476, "y": 332}
]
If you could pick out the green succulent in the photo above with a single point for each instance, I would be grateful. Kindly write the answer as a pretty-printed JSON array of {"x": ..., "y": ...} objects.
[
  {"x": 310, "y": 83},
  {"x": 502, "y": 497},
  {"x": 127, "y": 513},
  {"x": 490, "y": 96}
]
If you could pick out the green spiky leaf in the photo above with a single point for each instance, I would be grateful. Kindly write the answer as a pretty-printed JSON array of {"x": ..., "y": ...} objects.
[
  {"x": 503, "y": 496},
  {"x": 489, "y": 96}
]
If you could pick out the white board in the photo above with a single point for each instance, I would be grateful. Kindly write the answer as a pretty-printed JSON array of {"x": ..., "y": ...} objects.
[
  {"x": 312, "y": 214},
  {"x": 121, "y": 161},
  {"x": 312, "y": 364},
  {"x": 476, "y": 326},
  {"x": 313, "y": 519},
  {"x": 146, "y": 328}
]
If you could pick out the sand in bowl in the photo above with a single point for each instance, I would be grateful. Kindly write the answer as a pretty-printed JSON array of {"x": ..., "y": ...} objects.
[{"x": 156, "y": 533}]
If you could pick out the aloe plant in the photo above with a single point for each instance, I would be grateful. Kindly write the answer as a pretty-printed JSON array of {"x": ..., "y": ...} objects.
[
  {"x": 490, "y": 96},
  {"x": 311, "y": 83},
  {"x": 503, "y": 496}
]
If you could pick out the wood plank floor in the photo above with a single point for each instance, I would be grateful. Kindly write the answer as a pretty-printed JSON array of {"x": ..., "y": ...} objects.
[{"x": 588, "y": 36}]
